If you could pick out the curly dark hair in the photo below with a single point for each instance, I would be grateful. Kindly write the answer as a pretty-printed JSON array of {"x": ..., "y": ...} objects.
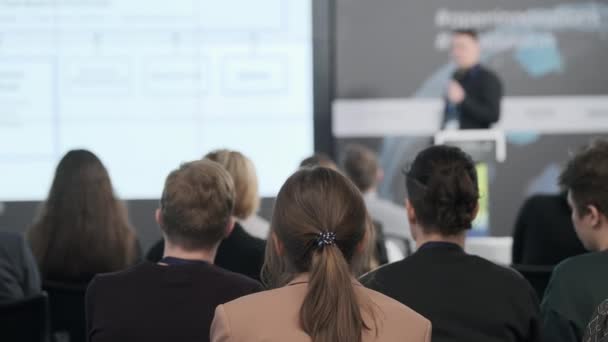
[
  {"x": 442, "y": 187},
  {"x": 585, "y": 177}
]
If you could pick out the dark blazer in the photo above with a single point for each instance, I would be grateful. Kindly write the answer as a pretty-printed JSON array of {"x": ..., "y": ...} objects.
[
  {"x": 544, "y": 234},
  {"x": 150, "y": 302},
  {"x": 465, "y": 297},
  {"x": 19, "y": 276},
  {"x": 481, "y": 106},
  {"x": 240, "y": 252}
]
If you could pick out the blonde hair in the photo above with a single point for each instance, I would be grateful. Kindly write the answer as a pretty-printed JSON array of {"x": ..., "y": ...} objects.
[{"x": 245, "y": 180}]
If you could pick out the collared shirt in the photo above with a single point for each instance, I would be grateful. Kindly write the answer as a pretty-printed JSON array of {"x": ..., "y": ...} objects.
[
  {"x": 173, "y": 261},
  {"x": 439, "y": 244}
]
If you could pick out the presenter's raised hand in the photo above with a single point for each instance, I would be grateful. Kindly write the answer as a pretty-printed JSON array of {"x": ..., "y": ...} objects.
[{"x": 455, "y": 93}]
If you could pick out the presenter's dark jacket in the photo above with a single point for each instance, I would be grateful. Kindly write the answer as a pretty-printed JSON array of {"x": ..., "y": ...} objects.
[
  {"x": 150, "y": 302},
  {"x": 19, "y": 276},
  {"x": 481, "y": 106},
  {"x": 465, "y": 297},
  {"x": 544, "y": 234},
  {"x": 240, "y": 252},
  {"x": 577, "y": 287}
]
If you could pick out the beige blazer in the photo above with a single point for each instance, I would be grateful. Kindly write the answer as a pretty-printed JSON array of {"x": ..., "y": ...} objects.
[{"x": 274, "y": 316}]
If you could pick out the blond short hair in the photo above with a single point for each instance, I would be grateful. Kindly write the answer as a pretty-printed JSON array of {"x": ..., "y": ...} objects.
[
  {"x": 245, "y": 180},
  {"x": 197, "y": 204}
]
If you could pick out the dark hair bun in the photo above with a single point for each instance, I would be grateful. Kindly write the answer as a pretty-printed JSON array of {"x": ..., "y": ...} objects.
[{"x": 442, "y": 187}]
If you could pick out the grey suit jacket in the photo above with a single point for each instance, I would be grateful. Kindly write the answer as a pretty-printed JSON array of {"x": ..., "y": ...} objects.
[
  {"x": 274, "y": 316},
  {"x": 19, "y": 276}
]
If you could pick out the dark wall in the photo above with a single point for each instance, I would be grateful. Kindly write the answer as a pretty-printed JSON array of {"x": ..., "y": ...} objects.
[{"x": 18, "y": 216}]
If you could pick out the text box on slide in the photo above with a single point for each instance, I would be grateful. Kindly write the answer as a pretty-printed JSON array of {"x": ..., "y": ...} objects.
[
  {"x": 97, "y": 76},
  {"x": 22, "y": 116},
  {"x": 247, "y": 75},
  {"x": 176, "y": 76}
]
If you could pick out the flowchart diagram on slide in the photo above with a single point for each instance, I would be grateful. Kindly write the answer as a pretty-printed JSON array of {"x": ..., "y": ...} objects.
[{"x": 79, "y": 70}]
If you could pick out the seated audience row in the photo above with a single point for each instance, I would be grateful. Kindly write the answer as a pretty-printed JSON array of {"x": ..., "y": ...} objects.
[
  {"x": 320, "y": 230},
  {"x": 320, "y": 240}
]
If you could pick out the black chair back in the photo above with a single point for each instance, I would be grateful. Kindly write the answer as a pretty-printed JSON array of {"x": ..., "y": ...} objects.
[
  {"x": 537, "y": 275},
  {"x": 66, "y": 303},
  {"x": 381, "y": 255},
  {"x": 25, "y": 320},
  {"x": 403, "y": 245}
]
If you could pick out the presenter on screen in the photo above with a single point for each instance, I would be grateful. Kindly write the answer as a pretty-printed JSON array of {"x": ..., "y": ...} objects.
[{"x": 473, "y": 93}]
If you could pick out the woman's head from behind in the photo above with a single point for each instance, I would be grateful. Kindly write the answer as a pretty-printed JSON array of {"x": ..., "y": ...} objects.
[
  {"x": 81, "y": 221},
  {"x": 242, "y": 171},
  {"x": 320, "y": 227},
  {"x": 79, "y": 173},
  {"x": 442, "y": 192}
]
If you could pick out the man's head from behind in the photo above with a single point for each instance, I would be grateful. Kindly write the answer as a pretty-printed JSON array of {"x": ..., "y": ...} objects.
[
  {"x": 465, "y": 48},
  {"x": 319, "y": 159},
  {"x": 585, "y": 177},
  {"x": 361, "y": 166},
  {"x": 196, "y": 205}
]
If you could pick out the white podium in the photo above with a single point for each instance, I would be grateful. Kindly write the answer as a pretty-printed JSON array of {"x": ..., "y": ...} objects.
[{"x": 483, "y": 145}]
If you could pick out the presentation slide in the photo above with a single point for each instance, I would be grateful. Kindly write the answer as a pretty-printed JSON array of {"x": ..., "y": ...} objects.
[{"x": 149, "y": 84}]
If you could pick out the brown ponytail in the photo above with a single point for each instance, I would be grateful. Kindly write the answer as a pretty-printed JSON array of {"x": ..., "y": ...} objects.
[
  {"x": 312, "y": 202},
  {"x": 330, "y": 311}
]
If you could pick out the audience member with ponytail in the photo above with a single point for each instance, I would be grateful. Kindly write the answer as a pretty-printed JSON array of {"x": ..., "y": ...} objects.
[
  {"x": 466, "y": 297},
  {"x": 319, "y": 234}
]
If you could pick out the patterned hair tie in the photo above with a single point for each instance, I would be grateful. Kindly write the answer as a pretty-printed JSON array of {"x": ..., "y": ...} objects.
[{"x": 326, "y": 239}]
